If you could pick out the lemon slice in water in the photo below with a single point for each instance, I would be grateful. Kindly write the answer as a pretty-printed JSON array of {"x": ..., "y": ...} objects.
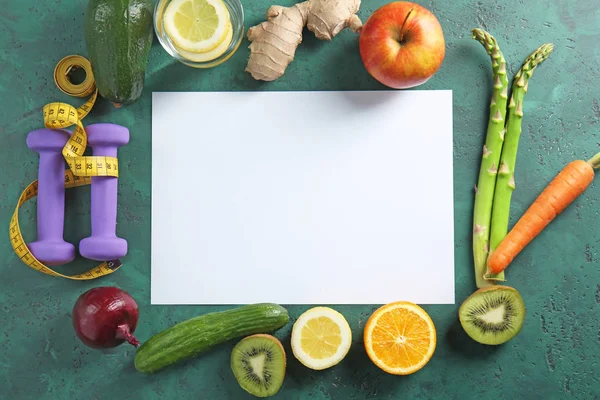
[
  {"x": 211, "y": 54},
  {"x": 197, "y": 26}
]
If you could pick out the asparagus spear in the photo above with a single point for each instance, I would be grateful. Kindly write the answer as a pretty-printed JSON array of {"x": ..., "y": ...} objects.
[
  {"x": 505, "y": 183},
  {"x": 484, "y": 191}
]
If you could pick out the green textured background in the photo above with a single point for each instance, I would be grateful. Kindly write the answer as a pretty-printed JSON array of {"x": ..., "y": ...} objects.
[{"x": 555, "y": 356}]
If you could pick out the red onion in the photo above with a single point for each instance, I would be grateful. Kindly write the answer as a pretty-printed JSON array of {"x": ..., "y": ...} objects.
[{"x": 105, "y": 317}]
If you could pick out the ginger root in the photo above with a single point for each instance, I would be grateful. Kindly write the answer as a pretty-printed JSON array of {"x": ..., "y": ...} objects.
[{"x": 274, "y": 42}]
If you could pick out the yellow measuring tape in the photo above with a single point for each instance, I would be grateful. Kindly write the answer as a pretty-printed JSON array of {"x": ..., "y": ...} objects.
[{"x": 81, "y": 168}]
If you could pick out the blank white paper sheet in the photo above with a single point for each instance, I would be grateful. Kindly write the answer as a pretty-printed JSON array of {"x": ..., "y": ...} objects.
[{"x": 302, "y": 197}]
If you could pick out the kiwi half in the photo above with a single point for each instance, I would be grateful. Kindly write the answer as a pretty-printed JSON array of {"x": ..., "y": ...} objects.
[
  {"x": 258, "y": 363},
  {"x": 493, "y": 315}
]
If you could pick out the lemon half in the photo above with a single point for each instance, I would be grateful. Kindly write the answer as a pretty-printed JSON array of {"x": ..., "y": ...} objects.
[
  {"x": 197, "y": 26},
  {"x": 321, "y": 338}
]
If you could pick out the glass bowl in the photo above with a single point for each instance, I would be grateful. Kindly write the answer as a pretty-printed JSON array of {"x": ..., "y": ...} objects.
[{"x": 236, "y": 13}]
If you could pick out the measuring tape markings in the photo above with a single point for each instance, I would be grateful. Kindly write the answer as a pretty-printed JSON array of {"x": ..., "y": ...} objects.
[{"x": 81, "y": 168}]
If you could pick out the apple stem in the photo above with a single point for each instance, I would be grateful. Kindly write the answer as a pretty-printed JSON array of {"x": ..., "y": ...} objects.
[{"x": 404, "y": 23}]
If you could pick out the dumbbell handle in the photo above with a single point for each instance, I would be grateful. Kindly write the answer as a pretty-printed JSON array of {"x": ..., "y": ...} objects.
[
  {"x": 51, "y": 196},
  {"x": 104, "y": 199}
]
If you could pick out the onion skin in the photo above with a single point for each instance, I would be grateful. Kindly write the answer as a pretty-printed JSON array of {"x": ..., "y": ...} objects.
[{"x": 105, "y": 317}]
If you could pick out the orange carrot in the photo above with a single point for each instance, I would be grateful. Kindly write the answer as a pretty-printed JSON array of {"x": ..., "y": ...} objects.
[{"x": 564, "y": 188}]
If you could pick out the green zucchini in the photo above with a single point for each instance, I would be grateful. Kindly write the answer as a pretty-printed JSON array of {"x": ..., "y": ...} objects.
[
  {"x": 194, "y": 336},
  {"x": 118, "y": 36}
]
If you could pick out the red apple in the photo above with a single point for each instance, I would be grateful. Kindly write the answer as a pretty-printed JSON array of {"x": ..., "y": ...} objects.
[{"x": 402, "y": 45}]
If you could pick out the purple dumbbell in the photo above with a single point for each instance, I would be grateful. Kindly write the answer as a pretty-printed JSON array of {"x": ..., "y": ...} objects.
[
  {"x": 104, "y": 245},
  {"x": 50, "y": 247}
]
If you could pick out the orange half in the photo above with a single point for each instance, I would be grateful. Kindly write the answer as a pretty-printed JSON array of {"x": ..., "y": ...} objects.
[{"x": 400, "y": 338}]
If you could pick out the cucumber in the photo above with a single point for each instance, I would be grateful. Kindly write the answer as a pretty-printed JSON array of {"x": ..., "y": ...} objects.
[
  {"x": 194, "y": 336},
  {"x": 118, "y": 36}
]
